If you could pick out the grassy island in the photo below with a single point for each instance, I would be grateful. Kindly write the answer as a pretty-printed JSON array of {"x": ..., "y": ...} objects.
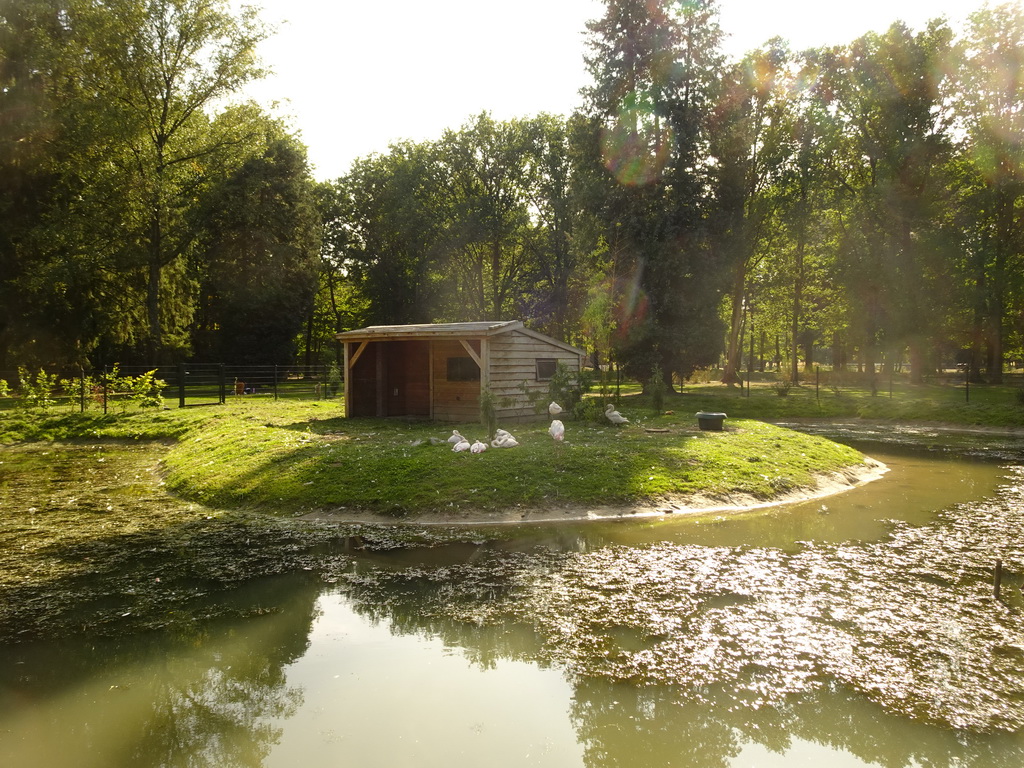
[
  {"x": 249, "y": 456},
  {"x": 296, "y": 458}
]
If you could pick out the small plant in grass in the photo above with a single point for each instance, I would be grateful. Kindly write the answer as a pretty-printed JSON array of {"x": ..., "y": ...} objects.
[
  {"x": 589, "y": 409},
  {"x": 144, "y": 390},
  {"x": 488, "y": 411},
  {"x": 5, "y": 390},
  {"x": 333, "y": 378},
  {"x": 534, "y": 398},
  {"x": 782, "y": 387}
]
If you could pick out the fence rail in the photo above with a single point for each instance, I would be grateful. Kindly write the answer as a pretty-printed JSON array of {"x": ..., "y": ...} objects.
[{"x": 185, "y": 385}]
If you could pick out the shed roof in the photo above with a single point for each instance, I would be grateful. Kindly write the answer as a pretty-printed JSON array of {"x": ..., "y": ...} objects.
[{"x": 473, "y": 330}]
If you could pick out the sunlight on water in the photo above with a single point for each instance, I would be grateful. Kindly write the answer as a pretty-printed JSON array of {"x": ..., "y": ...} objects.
[{"x": 373, "y": 698}]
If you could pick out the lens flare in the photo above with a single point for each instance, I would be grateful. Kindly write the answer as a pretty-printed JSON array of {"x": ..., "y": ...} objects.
[
  {"x": 631, "y": 310},
  {"x": 636, "y": 148}
]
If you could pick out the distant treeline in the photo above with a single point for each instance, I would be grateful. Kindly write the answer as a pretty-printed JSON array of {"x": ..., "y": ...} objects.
[{"x": 863, "y": 199}]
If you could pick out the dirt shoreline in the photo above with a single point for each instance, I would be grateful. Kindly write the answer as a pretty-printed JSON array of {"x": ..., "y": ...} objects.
[{"x": 826, "y": 484}]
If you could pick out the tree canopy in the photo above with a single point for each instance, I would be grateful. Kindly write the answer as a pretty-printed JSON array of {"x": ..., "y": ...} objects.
[{"x": 858, "y": 203}]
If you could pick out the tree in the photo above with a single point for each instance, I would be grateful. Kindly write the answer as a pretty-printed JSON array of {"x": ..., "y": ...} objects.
[
  {"x": 261, "y": 258},
  {"x": 338, "y": 304},
  {"x": 655, "y": 67},
  {"x": 396, "y": 215},
  {"x": 161, "y": 65},
  {"x": 989, "y": 101},
  {"x": 752, "y": 142},
  {"x": 559, "y": 242},
  {"x": 31, "y": 65},
  {"x": 490, "y": 166},
  {"x": 885, "y": 90}
]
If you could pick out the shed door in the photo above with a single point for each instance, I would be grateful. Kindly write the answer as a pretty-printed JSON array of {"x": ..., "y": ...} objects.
[{"x": 407, "y": 384}]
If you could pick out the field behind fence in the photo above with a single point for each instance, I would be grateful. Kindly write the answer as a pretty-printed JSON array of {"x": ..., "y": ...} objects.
[{"x": 122, "y": 387}]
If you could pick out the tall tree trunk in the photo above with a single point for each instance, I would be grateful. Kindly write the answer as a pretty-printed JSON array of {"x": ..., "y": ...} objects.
[
  {"x": 734, "y": 347},
  {"x": 309, "y": 338},
  {"x": 750, "y": 359},
  {"x": 798, "y": 290},
  {"x": 838, "y": 355},
  {"x": 808, "y": 339},
  {"x": 1005, "y": 226},
  {"x": 154, "y": 343},
  {"x": 798, "y": 281}
]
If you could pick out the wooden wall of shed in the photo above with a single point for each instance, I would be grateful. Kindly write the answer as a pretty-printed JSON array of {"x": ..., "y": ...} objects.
[
  {"x": 514, "y": 361},
  {"x": 453, "y": 400}
]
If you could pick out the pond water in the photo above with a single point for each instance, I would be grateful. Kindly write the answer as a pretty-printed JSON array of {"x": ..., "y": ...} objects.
[{"x": 857, "y": 630}]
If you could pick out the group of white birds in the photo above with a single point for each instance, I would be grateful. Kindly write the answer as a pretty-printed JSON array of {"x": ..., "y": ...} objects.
[
  {"x": 504, "y": 439},
  {"x": 557, "y": 428}
]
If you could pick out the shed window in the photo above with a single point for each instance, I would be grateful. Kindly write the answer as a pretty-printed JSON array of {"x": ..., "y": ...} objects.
[
  {"x": 546, "y": 369},
  {"x": 463, "y": 369}
]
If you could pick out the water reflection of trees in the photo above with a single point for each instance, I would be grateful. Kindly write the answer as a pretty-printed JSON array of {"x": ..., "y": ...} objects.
[
  {"x": 893, "y": 651},
  {"x": 210, "y": 695}
]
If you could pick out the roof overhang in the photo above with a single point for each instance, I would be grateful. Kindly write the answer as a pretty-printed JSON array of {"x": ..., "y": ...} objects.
[
  {"x": 430, "y": 331},
  {"x": 427, "y": 331}
]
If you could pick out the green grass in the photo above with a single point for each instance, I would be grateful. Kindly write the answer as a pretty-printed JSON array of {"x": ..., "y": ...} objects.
[
  {"x": 994, "y": 406},
  {"x": 245, "y": 457},
  {"x": 291, "y": 455}
]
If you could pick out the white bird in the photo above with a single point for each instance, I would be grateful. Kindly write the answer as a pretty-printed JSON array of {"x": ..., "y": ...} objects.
[
  {"x": 557, "y": 430},
  {"x": 462, "y": 445},
  {"x": 456, "y": 437},
  {"x": 478, "y": 447},
  {"x": 503, "y": 439},
  {"x": 554, "y": 409},
  {"x": 614, "y": 416}
]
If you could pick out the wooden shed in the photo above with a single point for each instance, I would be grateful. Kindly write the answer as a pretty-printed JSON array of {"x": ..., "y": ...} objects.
[{"x": 438, "y": 371}]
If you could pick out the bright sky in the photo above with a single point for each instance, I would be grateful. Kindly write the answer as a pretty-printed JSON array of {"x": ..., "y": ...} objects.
[{"x": 354, "y": 76}]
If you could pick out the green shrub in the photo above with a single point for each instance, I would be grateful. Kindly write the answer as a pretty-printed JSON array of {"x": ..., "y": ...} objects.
[
  {"x": 589, "y": 409},
  {"x": 36, "y": 389},
  {"x": 702, "y": 376},
  {"x": 115, "y": 388}
]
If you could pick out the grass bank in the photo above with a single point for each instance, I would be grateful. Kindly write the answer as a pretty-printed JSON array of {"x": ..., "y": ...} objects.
[
  {"x": 296, "y": 457},
  {"x": 247, "y": 456},
  {"x": 947, "y": 401}
]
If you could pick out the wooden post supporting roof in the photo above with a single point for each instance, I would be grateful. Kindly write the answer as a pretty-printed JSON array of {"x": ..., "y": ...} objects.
[
  {"x": 350, "y": 363},
  {"x": 485, "y": 364},
  {"x": 348, "y": 382},
  {"x": 472, "y": 352}
]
